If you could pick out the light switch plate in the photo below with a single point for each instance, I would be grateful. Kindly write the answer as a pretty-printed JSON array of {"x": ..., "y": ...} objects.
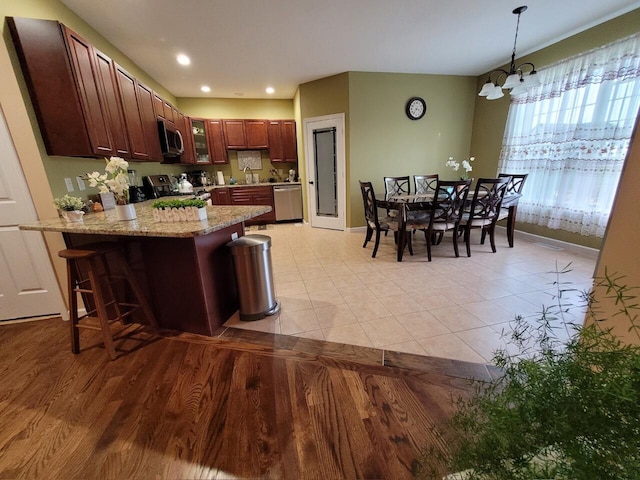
[
  {"x": 81, "y": 185},
  {"x": 234, "y": 236},
  {"x": 69, "y": 184}
]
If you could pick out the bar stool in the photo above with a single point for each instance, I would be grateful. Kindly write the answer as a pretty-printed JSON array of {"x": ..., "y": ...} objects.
[{"x": 93, "y": 270}]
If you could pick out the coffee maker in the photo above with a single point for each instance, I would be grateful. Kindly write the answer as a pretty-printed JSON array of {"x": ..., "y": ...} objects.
[{"x": 136, "y": 192}]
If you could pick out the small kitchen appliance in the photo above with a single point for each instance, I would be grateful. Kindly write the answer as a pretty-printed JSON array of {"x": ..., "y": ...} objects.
[
  {"x": 136, "y": 192},
  {"x": 292, "y": 175},
  {"x": 156, "y": 186}
]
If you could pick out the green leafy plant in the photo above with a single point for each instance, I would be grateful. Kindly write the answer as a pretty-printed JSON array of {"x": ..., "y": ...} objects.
[
  {"x": 69, "y": 203},
  {"x": 560, "y": 409},
  {"x": 179, "y": 203}
]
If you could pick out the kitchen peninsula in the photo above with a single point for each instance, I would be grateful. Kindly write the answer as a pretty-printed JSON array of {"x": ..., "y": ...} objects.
[{"x": 185, "y": 268}]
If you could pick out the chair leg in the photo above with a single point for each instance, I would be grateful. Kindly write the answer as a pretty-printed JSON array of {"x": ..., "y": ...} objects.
[
  {"x": 409, "y": 236},
  {"x": 511, "y": 224},
  {"x": 455, "y": 242},
  {"x": 73, "y": 307},
  {"x": 427, "y": 237},
  {"x": 482, "y": 236},
  {"x": 467, "y": 240},
  {"x": 367, "y": 236},
  {"x": 492, "y": 239},
  {"x": 101, "y": 310},
  {"x": 141, "y": 298},
  {"x": 375, "y": 247}
]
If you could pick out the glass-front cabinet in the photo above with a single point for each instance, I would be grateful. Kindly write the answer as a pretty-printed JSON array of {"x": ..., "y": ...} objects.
[{"x": 200, "y": 143}]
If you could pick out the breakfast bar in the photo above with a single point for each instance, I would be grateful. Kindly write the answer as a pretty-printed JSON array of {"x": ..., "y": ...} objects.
[{"x": 184, "y": 268}]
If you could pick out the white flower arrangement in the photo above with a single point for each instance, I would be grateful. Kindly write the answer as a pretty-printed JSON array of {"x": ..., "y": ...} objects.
[
  {"x": 466, "y": 164},
  {"x": 115, "y": 179},
  {"x": 69, "y": 203}
]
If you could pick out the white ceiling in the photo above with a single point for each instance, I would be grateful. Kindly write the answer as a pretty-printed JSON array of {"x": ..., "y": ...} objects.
[{"x": 242, "y": 46}]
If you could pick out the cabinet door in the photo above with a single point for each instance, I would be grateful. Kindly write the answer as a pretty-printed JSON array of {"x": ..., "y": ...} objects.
[
  {"x": 289, "y": 140},
  {"x": 107, "y": 76},
  {"x": 92, "y": 102},
  {"x": 200, "y": 141},
  {"x": 132, "y": 115},
  {"x": 221, "y": 196},
  {"x": 276, "y": 150},
  {"x": 158, "y": 105},
  {"x": 169, "y": 111},
  {"x": 256, "y": 133},
  {"x": 183, "y": 124},
  {"x": 149, "y": 122},
  {"x": 217, "y": 146},
  {"x": 234, "y": 134}
]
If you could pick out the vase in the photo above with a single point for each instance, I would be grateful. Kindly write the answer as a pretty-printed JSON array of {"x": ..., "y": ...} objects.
[
  {"x": 73, "y": 215},
  {"x": 126, "y": 212}
]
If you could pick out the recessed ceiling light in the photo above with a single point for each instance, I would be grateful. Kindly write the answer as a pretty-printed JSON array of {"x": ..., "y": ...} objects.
[
  {"x": 205, "y": 88},
  {"x": 183, "y": 59},
  {"x": 270, "y": 90},
  {"x": 238, "y": 94}
]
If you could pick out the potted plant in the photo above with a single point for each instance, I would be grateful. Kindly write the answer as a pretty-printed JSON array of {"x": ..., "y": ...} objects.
[
  {"x": 71, "y": 208},
  {"x": 560, "y": 409},
  {"x": 115, "y": 180},
  {"x": 179, "y": 210},
  {"x": 466, "y": 165}
]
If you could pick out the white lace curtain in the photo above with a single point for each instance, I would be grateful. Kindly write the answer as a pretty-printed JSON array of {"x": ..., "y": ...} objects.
[{"x": 571, "y": 134}]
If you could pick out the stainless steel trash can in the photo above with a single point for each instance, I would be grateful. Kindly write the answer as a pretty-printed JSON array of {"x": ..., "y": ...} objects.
[{"x": 254, "y": 276}]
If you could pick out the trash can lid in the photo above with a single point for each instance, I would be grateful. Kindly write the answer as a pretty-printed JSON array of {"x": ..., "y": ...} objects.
[{"x": 250, "y": 242}]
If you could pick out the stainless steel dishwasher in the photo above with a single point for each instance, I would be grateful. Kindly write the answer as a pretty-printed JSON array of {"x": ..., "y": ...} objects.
[{"x": 288, "y": 202}]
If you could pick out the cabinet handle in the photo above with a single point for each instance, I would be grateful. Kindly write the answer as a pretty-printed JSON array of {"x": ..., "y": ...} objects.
[{"x": 310, "y": 182}]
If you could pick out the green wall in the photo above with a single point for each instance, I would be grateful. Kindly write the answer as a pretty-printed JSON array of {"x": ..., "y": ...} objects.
[
  {"x": 490, "y": 116},
  {"x": 385, "y": 142}
]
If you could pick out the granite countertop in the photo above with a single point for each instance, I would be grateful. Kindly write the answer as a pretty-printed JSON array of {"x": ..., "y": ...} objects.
[{"x": 107, "y": 223}]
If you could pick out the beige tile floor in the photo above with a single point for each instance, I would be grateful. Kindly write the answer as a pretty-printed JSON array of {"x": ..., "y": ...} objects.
[{"x": 331, "y": 289}]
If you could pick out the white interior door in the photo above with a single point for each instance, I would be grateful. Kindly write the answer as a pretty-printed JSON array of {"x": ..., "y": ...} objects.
[
  {"x": 326, "y": 166},
  {"x": 28, "y": 286}
]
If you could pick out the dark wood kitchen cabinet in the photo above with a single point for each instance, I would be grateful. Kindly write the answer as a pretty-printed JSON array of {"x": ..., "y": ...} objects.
[
  {"x": 67, "y": 80},
  {"x": 140, "y": 118},
  {"x": 283, "y": 147},
  {"x": 220, "y": 196},
  {"x": 208, "y": 141},
  {"x": 255, "y": 196},
  {"x": 217, "y": 146},
  {"x": 246, "y": 134}
]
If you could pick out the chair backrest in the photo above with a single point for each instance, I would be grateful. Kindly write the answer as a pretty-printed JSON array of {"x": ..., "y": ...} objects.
[
  {"x": 369, "y": 202},
  {"x": 516, "y": 183},
  {"x": 449, "y": 201},
  {"x": 396, "y": 186},
  {"x": 487, "y": 199},
  {"x": 425, "y": 184}
]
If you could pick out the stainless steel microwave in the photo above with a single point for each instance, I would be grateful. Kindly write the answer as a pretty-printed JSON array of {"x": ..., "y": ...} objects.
[{"x": 170, "y": 139}]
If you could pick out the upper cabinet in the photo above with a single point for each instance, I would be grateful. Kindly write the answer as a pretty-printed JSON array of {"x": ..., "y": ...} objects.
[
  {"x": 282, "y": 141},
  {"x": 86, "y": 106},
  {"x": 246, "y": 134},
  {"x": 217, "y": 146},
  {"x": 208, "y": 139}
]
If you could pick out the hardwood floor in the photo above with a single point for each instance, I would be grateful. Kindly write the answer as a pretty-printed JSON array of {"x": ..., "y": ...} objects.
[{"x": 243, "y": 405}]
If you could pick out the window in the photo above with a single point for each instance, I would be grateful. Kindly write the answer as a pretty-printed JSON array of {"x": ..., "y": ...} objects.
[{"x": 571, "y": 134}]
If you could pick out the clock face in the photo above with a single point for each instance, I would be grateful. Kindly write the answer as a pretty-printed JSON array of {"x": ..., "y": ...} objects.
[{"x": 416, "y": 108}]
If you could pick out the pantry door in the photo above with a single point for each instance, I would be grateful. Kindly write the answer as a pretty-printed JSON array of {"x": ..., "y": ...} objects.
[
  {"x": 325, "y": 153},
  {"x": 28, "y": 287}
]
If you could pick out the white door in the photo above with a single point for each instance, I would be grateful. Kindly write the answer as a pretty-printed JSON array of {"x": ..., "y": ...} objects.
[
  {"x": 28, "y": 286},
  {"x": 326, "y": 166}
]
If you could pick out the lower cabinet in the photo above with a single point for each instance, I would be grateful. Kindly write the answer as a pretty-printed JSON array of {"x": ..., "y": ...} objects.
[
  {"x": 220, "y": 196},
  {"x": 255, "y": 196}
]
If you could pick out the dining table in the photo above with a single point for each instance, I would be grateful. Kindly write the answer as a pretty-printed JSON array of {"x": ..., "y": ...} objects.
[{"x": 406, "y": 203}]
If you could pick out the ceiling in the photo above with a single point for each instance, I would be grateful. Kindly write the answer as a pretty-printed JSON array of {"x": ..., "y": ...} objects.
[{"x": 239, "y": 47}]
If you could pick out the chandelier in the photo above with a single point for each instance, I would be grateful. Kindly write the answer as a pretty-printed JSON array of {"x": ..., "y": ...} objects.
[{"x": 517, "y": 80}]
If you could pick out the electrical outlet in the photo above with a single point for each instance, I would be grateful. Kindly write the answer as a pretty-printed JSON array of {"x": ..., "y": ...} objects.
[
  {"x": 234, "y": 236},
  {"x": 81, "y": 185},
  {"x": 69, "y": 184}
]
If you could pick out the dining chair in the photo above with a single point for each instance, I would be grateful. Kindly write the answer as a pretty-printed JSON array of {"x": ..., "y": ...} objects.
[
  {"x": 484, "y": 210},
  {"x": 446, "y": 212},
  {"x": 510, "y": 205},
  {"x": 374, "y": 223},
  {"x": 425, "y": 184}
]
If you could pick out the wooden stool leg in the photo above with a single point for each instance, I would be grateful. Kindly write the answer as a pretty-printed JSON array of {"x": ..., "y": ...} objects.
[
  {"x": 141, "y": 299},
  {"x": 101, "y": 309},
  {"x": 72, "y": 277}
]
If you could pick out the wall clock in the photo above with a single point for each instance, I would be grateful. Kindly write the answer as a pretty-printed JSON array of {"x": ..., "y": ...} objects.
[{"x": 416, "y": 108}]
